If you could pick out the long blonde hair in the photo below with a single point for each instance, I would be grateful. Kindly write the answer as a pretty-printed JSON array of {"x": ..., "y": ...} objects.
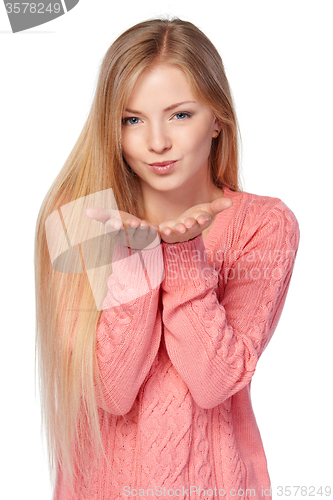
[{"x": 66, "y": 311}]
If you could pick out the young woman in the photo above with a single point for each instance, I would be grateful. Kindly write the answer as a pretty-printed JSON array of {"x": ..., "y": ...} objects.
[{"x": 150, "y": 394}]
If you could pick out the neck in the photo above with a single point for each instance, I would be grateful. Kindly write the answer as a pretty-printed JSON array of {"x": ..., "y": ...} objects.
[{"x": 162, "y": 206}]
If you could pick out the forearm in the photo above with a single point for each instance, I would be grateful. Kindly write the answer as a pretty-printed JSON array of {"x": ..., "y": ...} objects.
[
  {"x": 127, "y": 332},
  {"x": 215, "y": 345}
]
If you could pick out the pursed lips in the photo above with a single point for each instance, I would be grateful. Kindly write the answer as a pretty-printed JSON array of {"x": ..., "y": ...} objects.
[{"x": 163, "y": 163}]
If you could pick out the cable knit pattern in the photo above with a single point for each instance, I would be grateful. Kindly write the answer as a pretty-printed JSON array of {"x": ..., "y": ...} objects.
[{"x": 179, "y": 338}]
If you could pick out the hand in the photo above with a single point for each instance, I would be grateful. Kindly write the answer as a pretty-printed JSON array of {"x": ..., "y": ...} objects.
[
  {"x": 126, "y": 228},
  {"x": 193, "y": 221}
]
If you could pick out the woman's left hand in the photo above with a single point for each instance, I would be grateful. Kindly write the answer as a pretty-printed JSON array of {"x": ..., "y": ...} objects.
[{"x": 193, "y": 221}]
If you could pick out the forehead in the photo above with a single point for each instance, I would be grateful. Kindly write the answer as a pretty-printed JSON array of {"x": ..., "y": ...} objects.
[{"x": 161, "y": 84}]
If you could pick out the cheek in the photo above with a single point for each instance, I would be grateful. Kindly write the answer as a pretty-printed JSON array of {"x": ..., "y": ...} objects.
[
  {"x": 128, "y": 144},
  {"x": 200, "y": 144}
]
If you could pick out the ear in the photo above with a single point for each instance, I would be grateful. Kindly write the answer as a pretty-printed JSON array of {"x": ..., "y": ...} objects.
[{"x": 217, "y": 128}]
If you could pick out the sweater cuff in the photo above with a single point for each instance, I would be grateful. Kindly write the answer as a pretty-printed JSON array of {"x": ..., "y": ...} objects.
[
  {"x": 135, "y": 272},
  {"x": 129, "y": 263},
  {"x": 186, "y": 263}
]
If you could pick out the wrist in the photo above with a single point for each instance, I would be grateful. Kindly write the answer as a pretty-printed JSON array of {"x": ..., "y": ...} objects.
[{"x": 185, "y": 262}]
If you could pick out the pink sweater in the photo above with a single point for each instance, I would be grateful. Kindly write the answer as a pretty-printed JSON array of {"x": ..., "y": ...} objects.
[{"x": 176, "y": 358}]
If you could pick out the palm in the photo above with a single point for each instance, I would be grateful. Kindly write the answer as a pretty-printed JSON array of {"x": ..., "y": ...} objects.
[
  {"x": 193, "y": 221},
  {"x": 126, "y": 228}
]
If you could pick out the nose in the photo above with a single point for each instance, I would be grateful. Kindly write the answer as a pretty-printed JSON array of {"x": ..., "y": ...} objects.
[{"x": 158, "y": 139}]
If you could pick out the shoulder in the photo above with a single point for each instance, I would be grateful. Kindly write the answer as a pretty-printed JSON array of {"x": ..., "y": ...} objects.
[
  {"x": 252, "y": 213},
  {"x": 256, "y": 204}
]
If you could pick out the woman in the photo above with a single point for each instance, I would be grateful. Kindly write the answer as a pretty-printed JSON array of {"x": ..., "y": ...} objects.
[{"x": 151, "y": 395}]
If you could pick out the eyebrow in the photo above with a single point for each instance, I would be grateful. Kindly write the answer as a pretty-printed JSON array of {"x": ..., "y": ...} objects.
[{"x": 166, "y": 109}]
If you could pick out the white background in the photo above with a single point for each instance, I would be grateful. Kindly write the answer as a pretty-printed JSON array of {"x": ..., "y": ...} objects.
[{"x": 278, "y": 59}]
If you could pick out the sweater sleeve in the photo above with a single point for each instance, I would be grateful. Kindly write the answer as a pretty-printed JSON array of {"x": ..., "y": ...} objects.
[
  {"x": 215, "y": 345},
  {"x": 127, "y": 337}
]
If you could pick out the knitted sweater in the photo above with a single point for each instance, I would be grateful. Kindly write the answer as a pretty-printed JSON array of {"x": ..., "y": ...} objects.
[{"x": 177, "y": 355}]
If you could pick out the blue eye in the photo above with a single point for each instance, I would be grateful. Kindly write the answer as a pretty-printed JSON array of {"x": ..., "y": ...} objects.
[
  {"x": 182, "y": 115},
  {"x": 130, "y": 120}
]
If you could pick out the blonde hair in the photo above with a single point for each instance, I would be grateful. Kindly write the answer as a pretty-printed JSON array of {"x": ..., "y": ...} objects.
[{"x": 66, "y": 311}]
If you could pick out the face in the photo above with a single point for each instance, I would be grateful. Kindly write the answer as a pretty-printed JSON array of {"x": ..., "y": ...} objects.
[{"x": 167, "y": 132}]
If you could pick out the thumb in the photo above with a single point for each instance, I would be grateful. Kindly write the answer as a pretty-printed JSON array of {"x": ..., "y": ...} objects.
[
  {"x": 100, "y": 214},
  {"x": 219, "y": 205}
]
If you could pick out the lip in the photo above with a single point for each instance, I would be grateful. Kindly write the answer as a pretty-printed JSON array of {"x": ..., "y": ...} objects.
[
  {"x": 163, "y": 167},
  {"x": 162, "y": 163}
]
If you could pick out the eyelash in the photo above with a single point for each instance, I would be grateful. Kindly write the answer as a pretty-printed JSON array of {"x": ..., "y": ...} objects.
[
  {"x": 188, "y": 115},
  {"x": 125, "y": 121}
]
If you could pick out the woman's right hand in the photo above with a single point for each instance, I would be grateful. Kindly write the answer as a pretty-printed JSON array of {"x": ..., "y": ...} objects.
[{"x": 126, "y": 228}]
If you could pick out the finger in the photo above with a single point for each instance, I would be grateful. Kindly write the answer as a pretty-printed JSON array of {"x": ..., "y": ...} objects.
[
  {"x": 100, "y": 214},
  {"x": 131, "y": 226},
  {"x": 180, "y": 228},
  {"x": 166, "y": 231},
  {"x": 216, "y": 206},
  {"x": 132, "y": 223},
  {"x": 96, "y": 213},
  {"x": 190, "y": 222},
  {"x": 204, "y": 219},
  {"x": 145, "y": 228},
  {"x": 113, "y": 225},
  {"x": 219, "y": 205}
]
